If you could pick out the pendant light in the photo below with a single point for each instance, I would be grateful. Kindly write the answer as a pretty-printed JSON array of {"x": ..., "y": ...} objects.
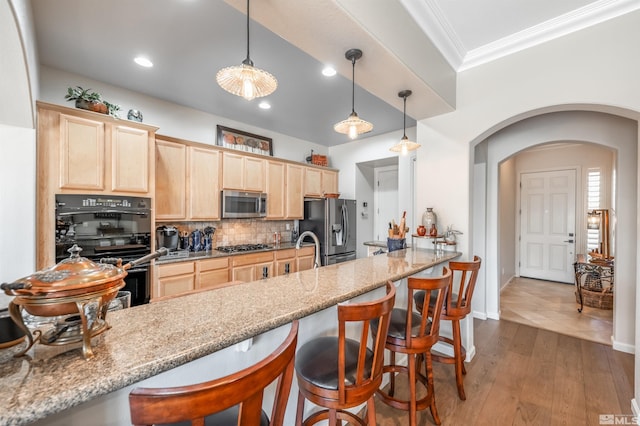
[
  {"x": 405, "y": 145},
  {"x": 246, "y": 80},
  {"x": 353, "y": 125}
]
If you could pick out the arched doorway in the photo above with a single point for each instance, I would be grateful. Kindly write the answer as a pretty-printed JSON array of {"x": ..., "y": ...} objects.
[{"x": 615, "y": 132}]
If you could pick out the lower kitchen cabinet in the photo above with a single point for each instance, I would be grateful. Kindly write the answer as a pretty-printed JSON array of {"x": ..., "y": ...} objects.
[
  {"x": 305, "y": 258},
  {"x": 285, "y": 262},
  {"x": 212, "y": 273},
  {"x": 175, "y": 278},
  {"x": 252, "y": 267}
]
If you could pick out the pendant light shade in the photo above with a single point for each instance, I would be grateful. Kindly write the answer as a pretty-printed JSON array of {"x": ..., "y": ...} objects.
[
  {"x": 405, "y": 145},
  {"x": 353, "y": 125},
  {"x": 246, "y": 80}
]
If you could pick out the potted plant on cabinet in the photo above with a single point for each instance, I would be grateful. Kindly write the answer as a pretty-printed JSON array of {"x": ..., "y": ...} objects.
[{"x": 92, "y": 101}]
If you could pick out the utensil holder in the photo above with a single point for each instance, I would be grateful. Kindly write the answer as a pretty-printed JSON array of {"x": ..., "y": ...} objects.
[{"x": 394, "y": 244}]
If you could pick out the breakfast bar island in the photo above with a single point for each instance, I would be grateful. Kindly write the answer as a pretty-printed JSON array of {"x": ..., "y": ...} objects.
[{"x": 190, "y": 339}]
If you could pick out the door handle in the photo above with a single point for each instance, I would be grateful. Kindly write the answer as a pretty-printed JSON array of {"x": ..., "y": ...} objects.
[{"x": 567, "y": 241}]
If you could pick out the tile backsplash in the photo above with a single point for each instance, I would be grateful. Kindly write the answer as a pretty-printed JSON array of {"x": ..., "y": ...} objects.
[{"x": 239, "y": 231}]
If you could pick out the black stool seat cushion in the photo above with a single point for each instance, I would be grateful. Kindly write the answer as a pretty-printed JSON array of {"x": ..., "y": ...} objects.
[
  {"x": 398, "y": 324},
  {"x": 317, "y": 361},
  {"x": 418, "y": 297},
  {"x": 228, "y": 417}
]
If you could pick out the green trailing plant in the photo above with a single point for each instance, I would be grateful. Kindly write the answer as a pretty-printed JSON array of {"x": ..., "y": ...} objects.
[{"x": 87, "y": 99}]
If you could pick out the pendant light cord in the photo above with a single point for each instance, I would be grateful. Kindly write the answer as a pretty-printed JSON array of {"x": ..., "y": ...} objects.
[
  {"x": 353, "y": 85},
  {"x": 404, "y": 119},
  {"x": 248, "y": 61}
]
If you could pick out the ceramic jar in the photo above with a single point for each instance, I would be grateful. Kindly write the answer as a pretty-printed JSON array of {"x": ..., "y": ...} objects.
[
  {"x": 429, "y": 218},
  {"x": 422, "y": 231}
]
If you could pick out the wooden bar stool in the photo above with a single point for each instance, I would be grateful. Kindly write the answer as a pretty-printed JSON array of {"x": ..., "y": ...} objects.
[
  {"x": 235, "y": 399},
  {"x": 336, "y": 372},
  {"x": 414, "y": 334},
  {"x": 457, "y": 307}
]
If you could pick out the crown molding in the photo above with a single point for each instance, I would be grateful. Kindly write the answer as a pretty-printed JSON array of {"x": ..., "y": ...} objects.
[{"x": 435, "y": 24}]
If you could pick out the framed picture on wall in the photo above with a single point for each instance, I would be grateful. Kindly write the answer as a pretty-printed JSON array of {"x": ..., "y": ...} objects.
[{"x": 243, "y": 141}]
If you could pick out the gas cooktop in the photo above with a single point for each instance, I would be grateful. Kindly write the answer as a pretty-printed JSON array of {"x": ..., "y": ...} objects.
[{"x": 243, "y": 248}]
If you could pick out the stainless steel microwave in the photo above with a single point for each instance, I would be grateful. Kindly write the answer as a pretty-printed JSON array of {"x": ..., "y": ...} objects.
[{"x": 240, "y": 204}]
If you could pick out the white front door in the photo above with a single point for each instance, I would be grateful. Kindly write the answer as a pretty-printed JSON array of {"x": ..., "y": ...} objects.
[
  {"x": 547, "y": 225},
  {"x": 385, "y": 200}
]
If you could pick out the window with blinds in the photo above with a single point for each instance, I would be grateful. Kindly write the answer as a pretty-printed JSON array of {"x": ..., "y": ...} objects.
[{"x": 593, "y": 202}]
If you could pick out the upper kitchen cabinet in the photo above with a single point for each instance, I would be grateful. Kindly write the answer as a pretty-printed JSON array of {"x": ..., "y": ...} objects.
[
  {"x": 318, "y": 182},
  {"x": 284, "y": 190},
  {"x": 243, "y": 172},
  {"x": 187, "y": 180},
  {"x": 85, "y": 152}
]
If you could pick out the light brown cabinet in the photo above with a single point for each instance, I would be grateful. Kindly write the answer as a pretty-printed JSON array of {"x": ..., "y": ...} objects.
[
  {"x": 252, "y": 267},
  {"x": 285, "y": 262},
  {"x": 318, "y": 182},
  {"x": 294, "y": 200},
  {"x": 212, "y": 273},
  {"x": 275, "y": 189},
  {"x": 187, "y": 181},
  {"x": 305, "y": 257},
  {"x": 83, "y": 152},
  {"x": 243, "y": 172},
  {"x": 175, "y": 278}
]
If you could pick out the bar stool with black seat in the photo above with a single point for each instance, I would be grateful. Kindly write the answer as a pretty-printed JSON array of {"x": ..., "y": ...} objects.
[
  {"x": 414, "y": 334},
  {"x": 457, "y": 307},
  {"x": 235, "y": 399},
  {"x": 337, "y": 372}
]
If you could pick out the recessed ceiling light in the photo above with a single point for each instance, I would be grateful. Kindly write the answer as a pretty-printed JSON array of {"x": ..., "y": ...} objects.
[
  {"x": 328, "y": 71},
  {"x": 143, "y": 62},
  {"x": 264, "y": 105}
]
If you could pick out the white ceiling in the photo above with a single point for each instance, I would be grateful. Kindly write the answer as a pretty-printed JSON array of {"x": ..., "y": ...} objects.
[{"x": 407, "y": 44}]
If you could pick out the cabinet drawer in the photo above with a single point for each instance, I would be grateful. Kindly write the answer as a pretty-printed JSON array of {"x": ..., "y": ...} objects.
[
  {"x": 285, "y": 254},
  {"x": 306, "y": 251},
  {"x": 211, "y": 264},
  {"x": 179, "y": 268},
  {"x": 249, "y": 259}
]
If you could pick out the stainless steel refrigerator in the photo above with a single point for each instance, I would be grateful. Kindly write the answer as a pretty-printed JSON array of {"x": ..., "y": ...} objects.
[{"x": 333, "y": 220}]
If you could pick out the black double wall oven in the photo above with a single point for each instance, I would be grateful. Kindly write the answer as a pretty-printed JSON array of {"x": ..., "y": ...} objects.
[{"x": 108, "y": 226}]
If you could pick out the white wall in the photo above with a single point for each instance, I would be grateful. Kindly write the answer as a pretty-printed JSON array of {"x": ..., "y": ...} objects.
[
  {"x": 508, "y": 179},
  {"x": 172, "y": 119},
  {"x": 588, "y": 70}
]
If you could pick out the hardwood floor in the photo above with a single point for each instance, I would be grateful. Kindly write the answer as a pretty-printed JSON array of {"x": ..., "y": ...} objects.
[
  {"x": 522, "y": 375},
  {"x": 543, "y": 363},
  {"x": 552, "y": 306}
]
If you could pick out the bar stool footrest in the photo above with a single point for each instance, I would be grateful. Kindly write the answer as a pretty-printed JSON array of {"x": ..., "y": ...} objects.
[
  {"x": 447, "y": 359},
  {"x": 421, "y": 404}
]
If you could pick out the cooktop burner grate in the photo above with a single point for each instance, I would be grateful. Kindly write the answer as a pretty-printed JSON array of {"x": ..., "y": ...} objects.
[{"x": 243, "y": 247}]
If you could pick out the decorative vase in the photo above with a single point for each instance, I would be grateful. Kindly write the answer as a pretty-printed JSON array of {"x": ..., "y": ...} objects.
[
  {"x": 95, "y": 106},
  {"x": 433, "y": 232},
  {"x": 134, "y": 115},
  {"x": 422, "y": 231},
  {"x": 429, "y": 218}
]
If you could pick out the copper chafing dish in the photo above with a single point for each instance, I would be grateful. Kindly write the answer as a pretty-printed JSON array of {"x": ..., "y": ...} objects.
[{"x": 67, "y": 288}]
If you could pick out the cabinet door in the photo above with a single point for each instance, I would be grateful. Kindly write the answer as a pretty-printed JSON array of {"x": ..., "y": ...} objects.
[
  {"x": 171, "y": 178},
  {"x": 263, "y": 270},
  {"x": 212, "y": 272},
  {"x": 129, "y": 159},
  {"x": 285, "y": 266},
  {"x": 312, "y": 182},
  {"x": 232, "y": 171},
  {"x": 275, "y": 190},
  {"x": 175, "y": 278},
  {"x": 329, "y": 182},
  {"x": 294, "y": 195},
  {"x": 254, "y": 174},
  {"x": 305, "y": 258},
  {"x": 82, "y": 150},
  {"x": 203, "y": 173},
  {"x": 245, "y": 273}
]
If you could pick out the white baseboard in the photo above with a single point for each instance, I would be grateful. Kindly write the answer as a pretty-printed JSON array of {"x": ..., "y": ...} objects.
[
  {"x": 479, "y": 315},
  {"x": 623, "y": 347},
  {"x": 493, "y": 315}
]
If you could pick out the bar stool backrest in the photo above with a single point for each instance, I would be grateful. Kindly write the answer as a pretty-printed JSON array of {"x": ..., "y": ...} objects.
[
  {"x": 463, "y": 284},
  {"x": 434, "y": 289},
  {"x": 194, "y": 403}
]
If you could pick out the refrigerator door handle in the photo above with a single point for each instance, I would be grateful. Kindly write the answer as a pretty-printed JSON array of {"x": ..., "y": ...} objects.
[{"x": 345, "y": 226}]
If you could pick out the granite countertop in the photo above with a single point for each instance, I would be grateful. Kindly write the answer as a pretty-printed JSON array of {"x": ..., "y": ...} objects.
[
  {"x": 146, "y": 340},
  {"x": 200, "y": 255}
]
